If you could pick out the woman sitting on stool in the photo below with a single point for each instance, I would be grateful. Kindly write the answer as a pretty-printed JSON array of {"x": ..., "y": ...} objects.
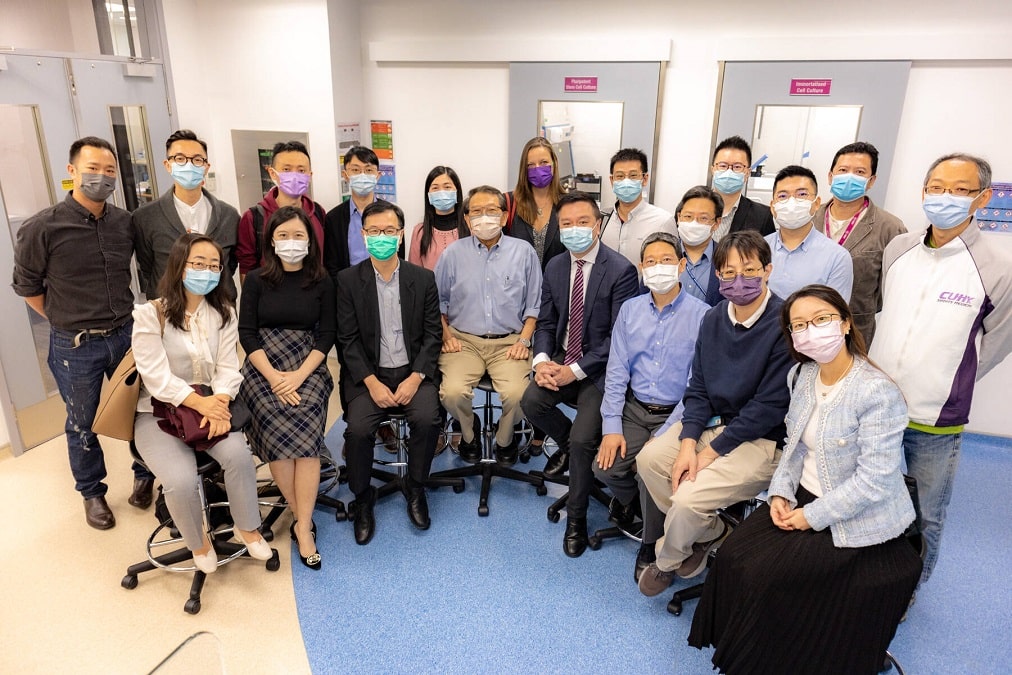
[
  {"x": 818, "y": 580},
  {"x": 196, "y": 346}
]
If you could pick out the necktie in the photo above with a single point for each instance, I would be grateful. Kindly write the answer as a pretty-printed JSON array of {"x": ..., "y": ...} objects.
[{"x": 574, "y": 346}]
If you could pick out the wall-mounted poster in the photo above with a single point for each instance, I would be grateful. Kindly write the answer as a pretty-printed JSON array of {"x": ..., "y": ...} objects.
[{"x": 996, "y": 216}]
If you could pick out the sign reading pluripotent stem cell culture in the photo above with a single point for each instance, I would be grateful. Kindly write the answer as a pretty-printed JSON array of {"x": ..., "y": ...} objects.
[
  {"x": 581, "y": 84},
  {"x": 810, "y": 87}
]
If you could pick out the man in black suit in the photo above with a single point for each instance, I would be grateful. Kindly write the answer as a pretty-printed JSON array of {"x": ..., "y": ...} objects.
[
  {"x": 580, "y": 298},
  {"x": 390, "y": 335},
  {"x": 732, "y": 165}
]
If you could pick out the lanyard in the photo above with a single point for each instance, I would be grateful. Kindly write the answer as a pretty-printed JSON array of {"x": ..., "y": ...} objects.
[{"x": 850, "y": 227}]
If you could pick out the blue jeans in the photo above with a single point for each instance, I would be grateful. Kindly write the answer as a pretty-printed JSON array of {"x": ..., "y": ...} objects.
[
  {"x": 79, "y": 372},
  {"x": 932, "y": 460}
]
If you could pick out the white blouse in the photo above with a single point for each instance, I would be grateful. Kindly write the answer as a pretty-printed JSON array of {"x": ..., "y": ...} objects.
[{"x": 168, "y": 364}]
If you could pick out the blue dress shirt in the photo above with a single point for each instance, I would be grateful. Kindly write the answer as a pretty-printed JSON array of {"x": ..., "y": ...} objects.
[
  {"x": 697, "y": 277},
  {"x": 817, "y": 260},
  {"x": 357, "y": 251}
]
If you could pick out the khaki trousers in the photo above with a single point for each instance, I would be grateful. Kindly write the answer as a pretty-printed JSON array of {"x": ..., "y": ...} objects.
[
  {"x": 462, "y": 370},
  {"x": 691, "y": 512}
]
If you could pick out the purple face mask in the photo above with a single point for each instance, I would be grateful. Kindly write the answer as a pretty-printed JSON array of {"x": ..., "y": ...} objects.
[
  {"x": 741, "y": 290},
  {"x": 540, "y": 176},
  {"x": 293, "y": 183}
]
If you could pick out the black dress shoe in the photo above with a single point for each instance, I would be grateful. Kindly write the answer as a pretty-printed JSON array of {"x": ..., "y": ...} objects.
[
  {"x": 418, "y": 508},
  {"x": 557, "y": 464},
  {"x": 575, "y": 541},
  {"x": 362, "y": 514},
  {"x": 646, "y": 555},
  {"x": 507, "y": 456},
  {"x": 623, "y": 515},
  {"x": 98, "y": 514},
  {"x": 471, "y": 452},
  {"x": 143, "y": 493}
]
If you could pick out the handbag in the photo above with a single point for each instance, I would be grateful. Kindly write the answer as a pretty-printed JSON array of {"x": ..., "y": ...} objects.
[{"x": 183, "y": 422}]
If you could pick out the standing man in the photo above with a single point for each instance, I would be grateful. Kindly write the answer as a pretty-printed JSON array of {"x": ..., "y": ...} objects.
[
  {"x": 186, "y": 207},
  {"x": 731, "y": 166},
  {"x": 390, "y": 335},
  {"x": 698, "y": 217},
  {"x": 946, "y": 321},
  {"x": 580, "y": 299},
  {"x": 489, "y": 295},
  {"x": 634, "y": 217},
  {"x": 852, "y": 220},
  {"x": 72, "y": 266},
  {"x": 801, "y": 254}
]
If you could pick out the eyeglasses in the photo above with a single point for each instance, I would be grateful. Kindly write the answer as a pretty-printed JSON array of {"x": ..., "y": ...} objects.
[
  {"x": 635, "y": 175},
  {"x": 200, "y": 266},
  {"x": 936, "y": 190},
  {"x": 702, "y": 219},
  {"x": 748, "y": 273},
  {"x": 737, "y": 167},
  {"x": 818, "y": 322},
  {"x": 357, "y": 170},
  {"x": 666, "y": 260},
  {"x": 182, "y": 159},
  {"x": 389, "y": 231},
  {"x": 493, "y": 211},
  {"x": 798, "y": 194}
]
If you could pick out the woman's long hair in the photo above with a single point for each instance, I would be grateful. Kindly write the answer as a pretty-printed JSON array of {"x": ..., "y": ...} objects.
[
  {"x": 170, "y": 287},
  {"x": 429, "y": 220},
  {"x": 273, "y": 271},
  {"x": 854, "y": 341},
  {"x": 523, "y": 193}
]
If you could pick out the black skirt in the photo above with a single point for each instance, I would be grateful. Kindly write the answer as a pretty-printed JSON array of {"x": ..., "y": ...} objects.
[{"x": 779, "y": 601}]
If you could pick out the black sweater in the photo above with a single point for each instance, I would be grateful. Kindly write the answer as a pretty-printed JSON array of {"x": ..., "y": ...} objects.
[{"x": 288, "y": 305}]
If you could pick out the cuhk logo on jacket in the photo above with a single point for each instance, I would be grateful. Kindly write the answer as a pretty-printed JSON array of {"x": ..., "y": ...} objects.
[{"x": 954, "y": 298}]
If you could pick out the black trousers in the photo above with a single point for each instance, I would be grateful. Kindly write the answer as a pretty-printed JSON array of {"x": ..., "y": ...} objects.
[
  {"x": 581, "y": 437},
  {"x": 364, "y": 418}
]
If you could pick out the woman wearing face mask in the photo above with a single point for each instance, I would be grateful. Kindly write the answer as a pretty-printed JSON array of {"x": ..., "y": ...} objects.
[
  {"x": 443, "y": 222},
  {"x": 829, "y": 548},
  {"x": 189, "y": 337},
  {"x": 287, "y": 325},
  {"x": 531, "y": 205}
]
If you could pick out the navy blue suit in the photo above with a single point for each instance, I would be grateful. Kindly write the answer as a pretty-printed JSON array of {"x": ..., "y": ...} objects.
[{"x": 612, "y": 281}]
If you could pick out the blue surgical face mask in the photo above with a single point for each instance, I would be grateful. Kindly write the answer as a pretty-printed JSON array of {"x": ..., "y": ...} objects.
[
  {"x": 847, "y": 186},
  {"x": 946, "y": 211},
  {"x": 362, "y": 184},
  {"x": 577, "y": 239},
  {"x": 187, "y": 176},
  {"x": 200, "y": 282},
  {"x": 443, "y": 200},
  {"x": 627, "y": 190},
  {"x": 728, "y": 182}
]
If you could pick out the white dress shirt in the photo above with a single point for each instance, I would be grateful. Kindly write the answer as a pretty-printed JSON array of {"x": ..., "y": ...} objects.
[
  {"x": 195, "y": 218},
  {"x": 627, "y": 237}
]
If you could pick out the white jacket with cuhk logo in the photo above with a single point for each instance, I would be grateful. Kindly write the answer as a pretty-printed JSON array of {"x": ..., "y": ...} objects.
[{"x": 946, "y": 320}]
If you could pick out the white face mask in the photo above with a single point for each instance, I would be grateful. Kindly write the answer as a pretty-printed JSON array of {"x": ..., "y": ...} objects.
[
  {"x": 292, "y": 251},
  {"x": 793, "y": 214},
  {"x": 660, "y": 278},
  {"x": 486, "y": 227},
  {"x": 693, "y": 233}
]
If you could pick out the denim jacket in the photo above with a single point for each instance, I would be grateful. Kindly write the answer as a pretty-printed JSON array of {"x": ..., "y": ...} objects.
[{"x": 864, "y": 500}]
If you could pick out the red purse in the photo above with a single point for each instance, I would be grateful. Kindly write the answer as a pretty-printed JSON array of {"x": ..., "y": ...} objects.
[{"x": 183, "y": 422}]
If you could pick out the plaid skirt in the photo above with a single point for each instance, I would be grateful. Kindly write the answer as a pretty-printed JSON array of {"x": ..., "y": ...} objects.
[{"x": 277, "y": 430}]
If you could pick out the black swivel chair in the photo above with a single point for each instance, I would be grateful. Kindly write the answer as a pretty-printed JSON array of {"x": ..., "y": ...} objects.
[{"x": 394, "y": 481}]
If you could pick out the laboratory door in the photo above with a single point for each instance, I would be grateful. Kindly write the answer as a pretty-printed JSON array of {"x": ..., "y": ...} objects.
[{"x": 45, "y": 104}]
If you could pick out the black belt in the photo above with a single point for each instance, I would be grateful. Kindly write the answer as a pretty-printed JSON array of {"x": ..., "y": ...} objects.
[
  {"x": 655, "y": 409},
  {"x": 490, "y": 336}
]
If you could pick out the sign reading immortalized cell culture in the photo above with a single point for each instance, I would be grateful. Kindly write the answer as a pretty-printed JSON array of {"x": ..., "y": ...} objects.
[
  {"x": 581, "y": 84},
  {"x": 810, "y": 87}
]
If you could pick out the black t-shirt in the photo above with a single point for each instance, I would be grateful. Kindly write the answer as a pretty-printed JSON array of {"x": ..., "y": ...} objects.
[{"x": 287, "y": 305}]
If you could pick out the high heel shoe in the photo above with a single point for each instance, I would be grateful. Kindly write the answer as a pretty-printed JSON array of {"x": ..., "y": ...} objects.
[
  {"x": 206, "y": 562},
  {"x": 312, "y": 528},
  {"x": 313, "y": 561},
  {"x": 259, "y": 549}
]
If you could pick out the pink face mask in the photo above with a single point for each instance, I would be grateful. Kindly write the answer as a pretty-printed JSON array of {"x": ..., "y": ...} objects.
[{"x": 820, "y": 343}]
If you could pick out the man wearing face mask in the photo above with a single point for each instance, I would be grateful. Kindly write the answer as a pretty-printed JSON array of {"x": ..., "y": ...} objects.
[
  {"x": 648, "y": 368},
  {"x": 859, "y": 225},
  {"x": 698, "y": 217},
  {"x": 801, "y": 254},
  {"x": 727, "y": 444},
  {"x": 72, "y": 266},
  {"x": 732, "y": 162},
  {"x": 185, "y": 207},
  {"x": 489, "y": 296},
  {"x": 634, "y": 217},
  {"x": 580, "y": 298},
  {"x": 946, "y": 321},
  {"x": 291, "y": 172}
]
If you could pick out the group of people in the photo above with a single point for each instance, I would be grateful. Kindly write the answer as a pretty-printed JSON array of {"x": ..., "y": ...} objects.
[{"x": 805, "y": 349}]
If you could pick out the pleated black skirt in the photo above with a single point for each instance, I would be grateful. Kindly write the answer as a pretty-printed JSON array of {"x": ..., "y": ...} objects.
[{"x": 780, "y": 601}]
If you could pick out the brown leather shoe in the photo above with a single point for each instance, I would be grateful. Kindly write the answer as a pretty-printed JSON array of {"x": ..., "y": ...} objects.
[
  {"x": 98, "y": 514},
  {"x": 143, "y": 493}
]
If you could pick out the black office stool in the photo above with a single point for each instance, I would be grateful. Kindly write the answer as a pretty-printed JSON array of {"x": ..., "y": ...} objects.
[
  {"x": 487, "y": 467},
  {"x": 331, "y": 476},
  {"x": 394, "y": 481},
  {"x": 165, "y": 536},
  {"x": 635, "y": 533},
  {"x": 556, "y": 507}
]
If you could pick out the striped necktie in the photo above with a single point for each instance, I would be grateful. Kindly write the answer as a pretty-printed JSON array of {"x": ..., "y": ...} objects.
[{"x": 574, "y": 346}]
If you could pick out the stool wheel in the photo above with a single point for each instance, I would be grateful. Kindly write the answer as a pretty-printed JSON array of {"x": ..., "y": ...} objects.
[
  {"x": 192, "y": 606},
  {"x": 535, "y": 450},
  {"x": 553, "y": 515},
  {"x": 274, "y": 564},
  {"x": 483, "y": 510},
  {"x": 541, "y": 490},
  {"x": 129, "y": 582},
  {"x": 594, "y": 543},
  {"x": 458, "y": 488},
  {"x": 675, "y": 607},
  {"x": 525, "y": 457}
]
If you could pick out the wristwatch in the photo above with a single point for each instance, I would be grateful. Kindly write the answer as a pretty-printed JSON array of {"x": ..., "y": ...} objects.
[
  {"x": 525, "y": 342},
  {"x": 421, "y": 375}
]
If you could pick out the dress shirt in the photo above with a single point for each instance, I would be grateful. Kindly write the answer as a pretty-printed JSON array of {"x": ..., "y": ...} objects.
[
  {"x": 627, "y": 237},
  {"x": 725, "y": 221},
  {"x": 392, "y": 352},
  {"x": 588, "y": 264},
  {"x": 486, "y": 291},
  {"x": 698, "y": 276},
  {"x": 817, "y": 260},
  {"x": 357, "y": 252},
  {"x": 750, "y": 321},
  {"x": 194, "y": 218},
  {"x": 651, "y": 352}
]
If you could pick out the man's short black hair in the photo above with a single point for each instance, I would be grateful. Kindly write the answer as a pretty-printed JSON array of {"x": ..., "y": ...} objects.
[
  {"x": 579, "y": 198},
  {"x": 702, "y": 192},
  {"x": 734, "y": 143},
  {"x": 362, "y": 154},
  {"x": 288, "y": 146},
  {"x": 629, "y": 155},
  {"x": 90, "y": 141},
  {"x": 858, "y": 148},
  {"x": 792, "y": 171},
  {"x": 485, "y": 190},
  {"x": 666, "y": 237},
  {"x": 184, "y": 135},
  {"x": 748, "y": 244},
  {"x": 380, "y": 206}
]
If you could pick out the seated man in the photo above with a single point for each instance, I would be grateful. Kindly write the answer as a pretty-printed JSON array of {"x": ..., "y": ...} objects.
[
  {"x": 489, "y": 295},
  {"x": 390, "y": 336},
  {"x": 698, "y": 215},
  {"x": 727, "y": 445},
  {"x": 654, "y": 334},
  {"x": 580, "y": 298}
]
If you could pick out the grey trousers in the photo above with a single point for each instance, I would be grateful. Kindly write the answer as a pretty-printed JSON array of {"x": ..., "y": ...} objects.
[{"x": 175, "y": 464}]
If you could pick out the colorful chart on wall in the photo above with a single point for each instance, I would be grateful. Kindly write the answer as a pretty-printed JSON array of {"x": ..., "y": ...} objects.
[{"x": 996, "y": 216}]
